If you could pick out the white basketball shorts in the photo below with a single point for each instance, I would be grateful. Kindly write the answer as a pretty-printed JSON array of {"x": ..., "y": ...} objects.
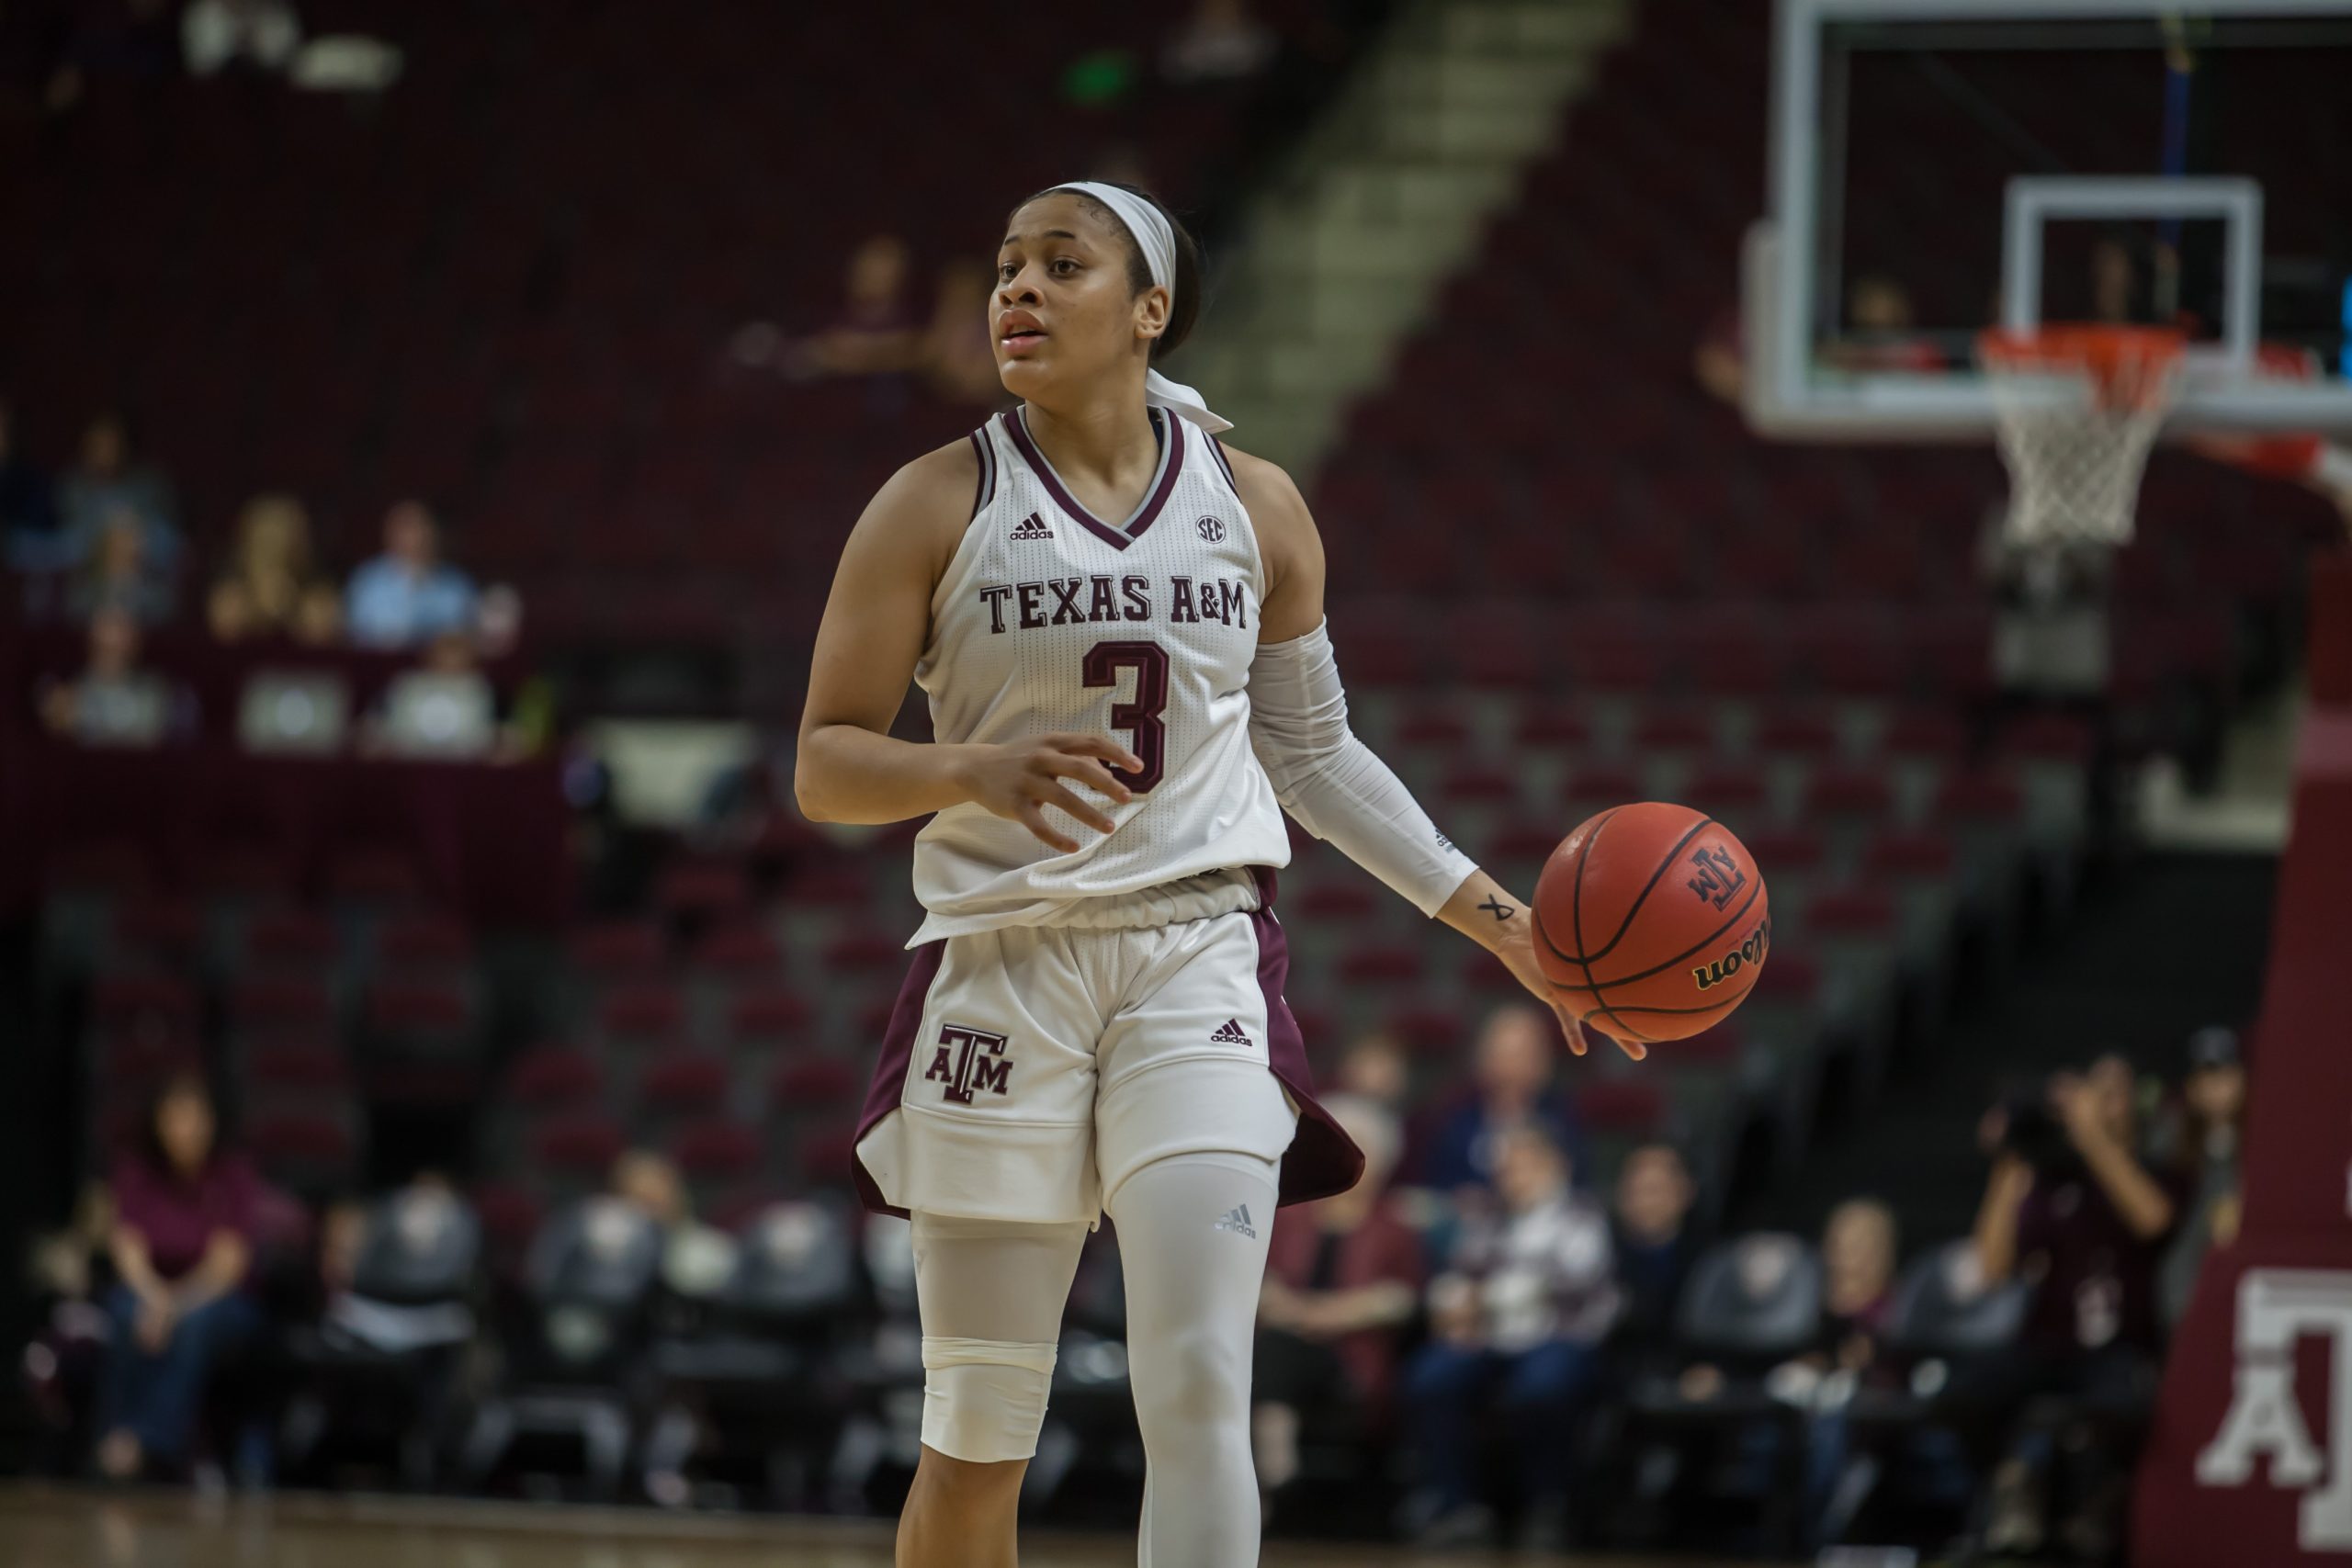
[{"x": 1028, "y": 1071}]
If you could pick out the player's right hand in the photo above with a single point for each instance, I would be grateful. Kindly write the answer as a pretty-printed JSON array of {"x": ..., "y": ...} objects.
[{"x": 1018, "y": 779}]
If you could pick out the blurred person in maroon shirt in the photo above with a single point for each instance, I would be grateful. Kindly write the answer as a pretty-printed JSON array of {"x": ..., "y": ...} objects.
[
  {"x": 186, "y": 1214},
  {"x": 1343, "y": 1279},
  {"x": 2071, "y": 1207}
]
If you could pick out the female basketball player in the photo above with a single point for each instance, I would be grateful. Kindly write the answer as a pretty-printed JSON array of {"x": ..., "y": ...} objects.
[{"x": 1119, "y": 626}]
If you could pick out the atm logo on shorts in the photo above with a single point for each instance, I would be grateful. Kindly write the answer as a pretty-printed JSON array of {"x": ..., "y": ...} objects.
[{"x": 969, "y": 1062}]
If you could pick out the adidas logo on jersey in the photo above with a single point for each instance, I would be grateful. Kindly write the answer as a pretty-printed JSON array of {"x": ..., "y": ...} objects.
[
  {"x": 1031, "y": 527},
  {"x": 1231, "y": 1034},
  {"x": 1236, "y": 1219}
]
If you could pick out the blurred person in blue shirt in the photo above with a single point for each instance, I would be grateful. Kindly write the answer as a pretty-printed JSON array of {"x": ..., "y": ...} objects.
[
  {"x": 1513, "y": 1086},
  {"x": 107, "y": 485},
  {"x": 409, "y": 594}
]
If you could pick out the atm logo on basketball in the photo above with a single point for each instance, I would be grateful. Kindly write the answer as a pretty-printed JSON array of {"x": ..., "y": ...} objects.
[
  {"x": 1719, "y": 876},
  {"x": 969, "y": 1062},
  {"x": 1746, "y": 956}
]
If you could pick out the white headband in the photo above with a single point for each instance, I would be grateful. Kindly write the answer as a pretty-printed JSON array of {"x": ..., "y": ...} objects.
[{"x": 1157, "y": 240}]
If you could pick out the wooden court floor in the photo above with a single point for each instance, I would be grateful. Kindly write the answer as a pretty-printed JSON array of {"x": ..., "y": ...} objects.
[{"x": 60, "y": 1527}]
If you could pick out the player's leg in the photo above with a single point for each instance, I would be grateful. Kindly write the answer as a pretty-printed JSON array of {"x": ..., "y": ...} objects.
[
  {"x": 990, "y": 1294},
  {"x": 1194, "y": 1230},
  {"x": 1190, "y": 1125}
]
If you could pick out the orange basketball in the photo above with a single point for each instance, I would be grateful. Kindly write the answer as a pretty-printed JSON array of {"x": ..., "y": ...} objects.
[{"x": 1651, "y": 922}]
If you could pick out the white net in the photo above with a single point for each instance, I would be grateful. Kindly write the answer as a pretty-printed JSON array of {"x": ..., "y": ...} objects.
[{"x": 2077, "y": 414}]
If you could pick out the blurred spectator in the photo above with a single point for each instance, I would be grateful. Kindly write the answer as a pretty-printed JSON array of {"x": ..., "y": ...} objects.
[
  {"x": 444, "y": 708},
  {"x": 1514, "y": 1086},
  {"x": 1343, "y": 1278},
  {"x": 113, "y": 701},
  {"x": 1376, "y": 1069},
  {"x": 1858, "y": 1249},
  {"x": 108, "y": 481},
  {"x": 262, "y": 35},
  {"x": 957, "y": 358},
  {"x": 30, "y": 538},
  {"x": 1220, "y": 41},
  {"x": 695, "y": 1259},
  {"x": 2117, "y": 297},
  {"x": 409, "y": 594},
  {"x": 183, "y": 1246},
  {"x": 1880, "y": 331},
  {"x": 2071, "y": 1205},
  {"x": 119, "y": 574},
  {"x": 875, "y": 334},
  {"x": 1517, "y": 1319},
  {"x": 2213, "y": 1099},
  {"x": 63, "y": 1364},
  {"x": 1858, "y": 1255},
  {"x": 272, "y": 587},
  {"x": 419, "y": 1213},
  {"x": 1654, "y": 1244},
  {"x": 498, "y": 621}
]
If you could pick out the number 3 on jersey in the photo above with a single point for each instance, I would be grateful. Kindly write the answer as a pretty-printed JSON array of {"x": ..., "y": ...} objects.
[{"x": 1141, "y": 717}]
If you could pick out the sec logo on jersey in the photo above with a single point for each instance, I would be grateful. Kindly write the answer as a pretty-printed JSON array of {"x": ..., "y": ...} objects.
[{"x": 1212, "y": 529}]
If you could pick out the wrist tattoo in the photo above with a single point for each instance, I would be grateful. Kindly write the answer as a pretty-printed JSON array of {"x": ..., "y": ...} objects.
[{"x": 1502, "y": 911}]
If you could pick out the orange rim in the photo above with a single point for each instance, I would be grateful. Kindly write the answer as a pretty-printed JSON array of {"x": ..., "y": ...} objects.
[{"x": 2132, "y": 366}]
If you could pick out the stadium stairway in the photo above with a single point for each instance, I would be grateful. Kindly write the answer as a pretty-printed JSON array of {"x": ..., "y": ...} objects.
[
  {"x": 1341, "y": 253},
  {"x": 2157, "y": 946}
]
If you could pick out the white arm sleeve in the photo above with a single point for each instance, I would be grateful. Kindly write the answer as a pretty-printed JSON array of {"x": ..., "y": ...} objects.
[{"x": 1333, "y": 783}]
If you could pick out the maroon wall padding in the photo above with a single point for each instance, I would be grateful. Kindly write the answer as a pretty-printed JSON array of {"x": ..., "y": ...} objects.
[{"x": 2251, "y": 1459}]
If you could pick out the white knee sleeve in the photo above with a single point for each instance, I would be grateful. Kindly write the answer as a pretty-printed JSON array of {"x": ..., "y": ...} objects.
[{"x": 984, "y": 1400}]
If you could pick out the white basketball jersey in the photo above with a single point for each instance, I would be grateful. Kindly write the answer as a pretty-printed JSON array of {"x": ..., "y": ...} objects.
[{"x": 1050, "y": 619}]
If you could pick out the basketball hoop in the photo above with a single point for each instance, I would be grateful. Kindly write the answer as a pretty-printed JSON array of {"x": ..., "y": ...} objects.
[{"x": 2078, "y": 408}]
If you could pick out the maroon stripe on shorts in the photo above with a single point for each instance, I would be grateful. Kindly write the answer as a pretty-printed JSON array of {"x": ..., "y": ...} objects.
[
  {"x": 889, "y": 1083},
  {"x": 1322, "y": 1159}
]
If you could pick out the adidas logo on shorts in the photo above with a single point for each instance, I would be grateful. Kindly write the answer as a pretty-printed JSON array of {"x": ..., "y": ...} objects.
[
  {"x": 1236, "y": 1219},
  {"x": 1231, "y": 1034},
  {"x": 1031, "y": 527}
]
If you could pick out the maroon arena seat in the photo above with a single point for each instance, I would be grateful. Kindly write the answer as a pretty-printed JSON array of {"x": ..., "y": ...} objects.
[
  {"x": 1382, "y": 964},
  {"x": 1335, "y": 900},
  {"x": 1623, "y": 1106},
  {"x": 298, "y": 1067},
  {"x": 546, "y": 1076},
  {"x": 307, "y": 1150},
  {"x": 718, "y": 1150},
  {"x": 743, "y": 952},
  {"x": 161, "y": 930},
  {"x": 619, "y": 949},
  {"x": 865, "y": 952},
  {"x": 1850, "y": 912},
  {"x": 683, "y": 1081},
  {"x": 1903, "y": 853},
  {"x": 280, "y": 1005},
  {"x": 802, "y": 1083},
  {"x": 144, "y": 1000},
  {"x": 769, "y": 1016},
  {"x": 580, "y": 1144},
  {"x": 1849, "y": 792},
  {"x": 641, "y": 1012},
  {"x": 289, "y": 940},
  {"x": 426, "y": 943}
]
